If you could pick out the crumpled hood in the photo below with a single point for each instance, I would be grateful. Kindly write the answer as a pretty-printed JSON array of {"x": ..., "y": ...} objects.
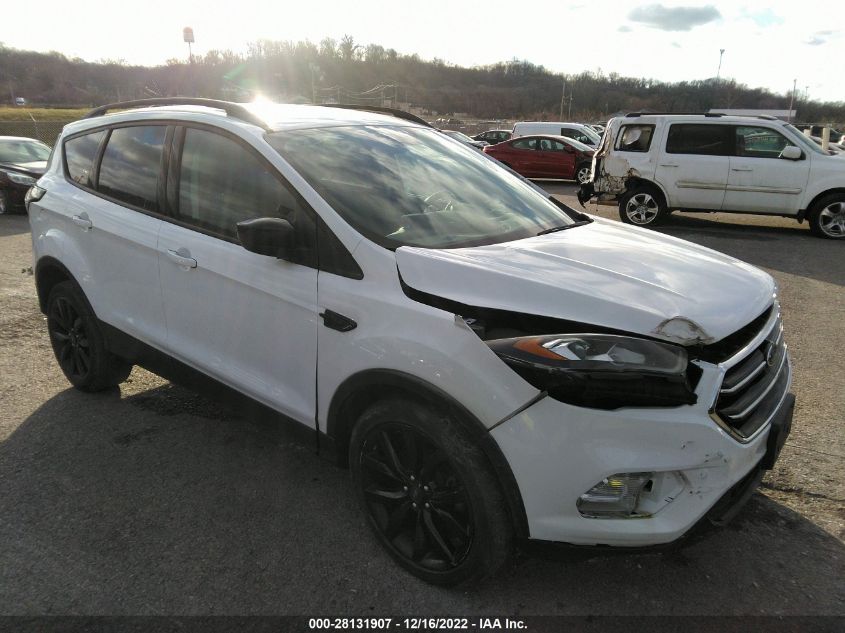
[{"x": 603, "y": 274}]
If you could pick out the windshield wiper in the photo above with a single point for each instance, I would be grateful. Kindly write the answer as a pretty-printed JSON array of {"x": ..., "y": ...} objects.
[{"x": 555, "y": 229}]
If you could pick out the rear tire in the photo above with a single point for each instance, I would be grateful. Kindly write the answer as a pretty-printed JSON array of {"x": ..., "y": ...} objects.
[
  {"x": 78, "y": 342},
  {"x": 583, "y": 173},
  {"x": 827, "y": 218},
  {"x": 642, "y": 206},
  {"x": 428, "y": 493}
]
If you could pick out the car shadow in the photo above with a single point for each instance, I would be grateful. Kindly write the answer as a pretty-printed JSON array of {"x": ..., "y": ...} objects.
[
  {"x": 165, "y": 502},
  {"x": 13, "y": 224}
]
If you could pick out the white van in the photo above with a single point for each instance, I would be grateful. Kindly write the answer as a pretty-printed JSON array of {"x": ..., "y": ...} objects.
[{"x": 578, "y": 131}]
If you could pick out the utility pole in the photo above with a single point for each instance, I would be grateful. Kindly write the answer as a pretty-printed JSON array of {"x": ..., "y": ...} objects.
[
  {"x": 791, "y": 99},
  {"x": 562, "y": 96},
  {"x": 719, "y": 70},
  {"x": 570, "y": 107}
]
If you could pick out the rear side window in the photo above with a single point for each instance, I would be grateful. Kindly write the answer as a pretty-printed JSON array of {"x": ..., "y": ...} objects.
[
  {"x": 525, "y": 143},
  {"x": 131, "y": 164},
  {"x": 550, "y": 145},
  {"x": 634, "y": 138},
  {"x": 692, "y": 138},
  {"x": 221, "y": 184},
  {"x": 79, "y": 157}
]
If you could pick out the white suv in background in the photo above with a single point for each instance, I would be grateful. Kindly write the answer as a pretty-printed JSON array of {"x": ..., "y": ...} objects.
[
  {"x": 490, "y": 363},
  {"x": 652, "y": 164}
]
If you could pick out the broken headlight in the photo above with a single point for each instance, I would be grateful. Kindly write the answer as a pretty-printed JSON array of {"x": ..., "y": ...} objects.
[{"x": 602, "y": 371}]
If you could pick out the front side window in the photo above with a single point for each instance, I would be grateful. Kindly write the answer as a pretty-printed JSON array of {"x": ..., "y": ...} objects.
[
  {"x": 410, "y": 186},
  {"x": 131, "y": 164},
  {"x": 759, "y": 142},
  {"x": 634, "y": 138},
  {"x": 79, "y": 157},
  {"x": 221, "y": 183},
  {"x": 551, "y": 145},
  {"x": 703, "y": 139}
]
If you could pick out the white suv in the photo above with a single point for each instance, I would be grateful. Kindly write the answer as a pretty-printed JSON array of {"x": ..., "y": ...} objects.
[
  {"x": 652, "y": 164},
  {"x": 491, "y": 364}
]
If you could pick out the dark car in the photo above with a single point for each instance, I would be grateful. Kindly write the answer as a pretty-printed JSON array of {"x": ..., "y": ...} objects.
[
  {"x": 545, "y": 156},
  {"x": 493, "y": 137},
  {"x": 22, "y": 162}
]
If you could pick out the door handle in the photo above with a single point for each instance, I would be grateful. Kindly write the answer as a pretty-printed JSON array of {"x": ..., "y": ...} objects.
[
  {"x": 741, "y": 169},
  {"x": 181, "y": 258},
  {"x": 668, "y": 164},
  {"x": 336, "y": 321},
  {"x": 82, "y": 221}
]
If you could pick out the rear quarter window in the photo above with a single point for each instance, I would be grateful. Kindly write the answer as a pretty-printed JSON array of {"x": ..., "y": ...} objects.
[
  {"x": 634, "y": 138},
  {"x": 79, "y": 157}
]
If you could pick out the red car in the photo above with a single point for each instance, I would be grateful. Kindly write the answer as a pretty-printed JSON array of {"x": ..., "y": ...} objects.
[{"x": 545, "y": 156}]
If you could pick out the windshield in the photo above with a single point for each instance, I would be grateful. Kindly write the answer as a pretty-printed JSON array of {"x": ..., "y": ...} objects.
[
  {"x": 23, "y": 151},
  {"x": 806, "y": 143},
  {"x": 592, "y": 134},
  {"x": 408, "y": 186}
]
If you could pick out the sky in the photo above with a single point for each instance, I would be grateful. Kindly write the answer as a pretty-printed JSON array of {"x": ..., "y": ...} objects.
[{"x": 766, "y": 43}]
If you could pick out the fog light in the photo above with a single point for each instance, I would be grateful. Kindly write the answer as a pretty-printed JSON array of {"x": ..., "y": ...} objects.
[{"x": 615, "y": 496}]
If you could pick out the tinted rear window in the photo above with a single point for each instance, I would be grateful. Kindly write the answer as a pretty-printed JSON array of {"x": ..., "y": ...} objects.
[
  {"x": 131, "y": 164},
  {"x": 79, "y": 157},
  {"x": 709, "y": 140}
]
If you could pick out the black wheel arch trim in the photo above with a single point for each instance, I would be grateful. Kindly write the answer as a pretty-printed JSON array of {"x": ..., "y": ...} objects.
[
  {"x": 48, "y": 272},
  {"x": 354, "y": 394}
]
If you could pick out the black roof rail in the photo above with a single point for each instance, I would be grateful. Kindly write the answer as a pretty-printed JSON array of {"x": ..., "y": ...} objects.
[
  {"x": 234, "y": 110},
  {"x": 399, "y": 114},
  {"x": 708, "y": 114}
]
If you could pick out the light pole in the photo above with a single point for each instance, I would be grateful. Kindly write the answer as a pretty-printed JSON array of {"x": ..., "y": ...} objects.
[
  {"x": 719, "y": 70},
  {"x": 188, "y": 38}
]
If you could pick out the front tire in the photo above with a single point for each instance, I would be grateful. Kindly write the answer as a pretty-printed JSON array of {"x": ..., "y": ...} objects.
[
  {"x": 642, "y": 206},
  {"x": 827, "y": 218},
  {"x": 429, "y": 494},
  {"x": 78, "y": 342}
]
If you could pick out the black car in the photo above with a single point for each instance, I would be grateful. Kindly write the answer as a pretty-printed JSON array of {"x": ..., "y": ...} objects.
[
  {"x": 22, "y": 162},
  {"x": 494, "y": 136}
]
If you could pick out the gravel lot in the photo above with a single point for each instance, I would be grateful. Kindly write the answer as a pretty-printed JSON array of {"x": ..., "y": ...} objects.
[{"x": 151, "y": 500}]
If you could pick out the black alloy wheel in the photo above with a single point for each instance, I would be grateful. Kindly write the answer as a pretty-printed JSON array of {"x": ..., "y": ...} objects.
[
  {"x": 415, "y": 498},
  {"x": 78, "y": 343},
  {"x": 429, "y": 493},
  {"x": 70, "y": 339}
]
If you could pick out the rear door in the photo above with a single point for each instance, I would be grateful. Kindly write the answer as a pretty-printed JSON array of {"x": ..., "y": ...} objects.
[
  {"x": 555, "y": 159},
  {"x": 245, "y": 319},
  {"x": 693, "y": 165},
  {"x": 113, "y": 215},
  {"x": 760, "y": 181},
  {"x": 523, "y": 152}
]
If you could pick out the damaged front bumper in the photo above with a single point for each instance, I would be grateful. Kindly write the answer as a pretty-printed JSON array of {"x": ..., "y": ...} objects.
[{"x": 559, "y": 452}]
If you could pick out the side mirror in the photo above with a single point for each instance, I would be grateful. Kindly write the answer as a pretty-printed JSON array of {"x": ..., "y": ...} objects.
[
  {"x": 266, "y": 236},
  {"x": 790, "y": 152}
]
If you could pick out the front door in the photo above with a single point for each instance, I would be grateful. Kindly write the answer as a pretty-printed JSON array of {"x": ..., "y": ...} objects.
[
  {"x": 248, "y": 320},
  {"x": 760, "y": 181}
]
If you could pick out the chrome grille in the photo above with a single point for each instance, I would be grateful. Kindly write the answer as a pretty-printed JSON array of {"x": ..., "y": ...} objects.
[{"x": 754, "y": 384}]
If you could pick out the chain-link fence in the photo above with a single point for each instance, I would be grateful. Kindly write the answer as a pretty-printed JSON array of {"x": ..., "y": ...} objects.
[{"x": 46, "y": 131}]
